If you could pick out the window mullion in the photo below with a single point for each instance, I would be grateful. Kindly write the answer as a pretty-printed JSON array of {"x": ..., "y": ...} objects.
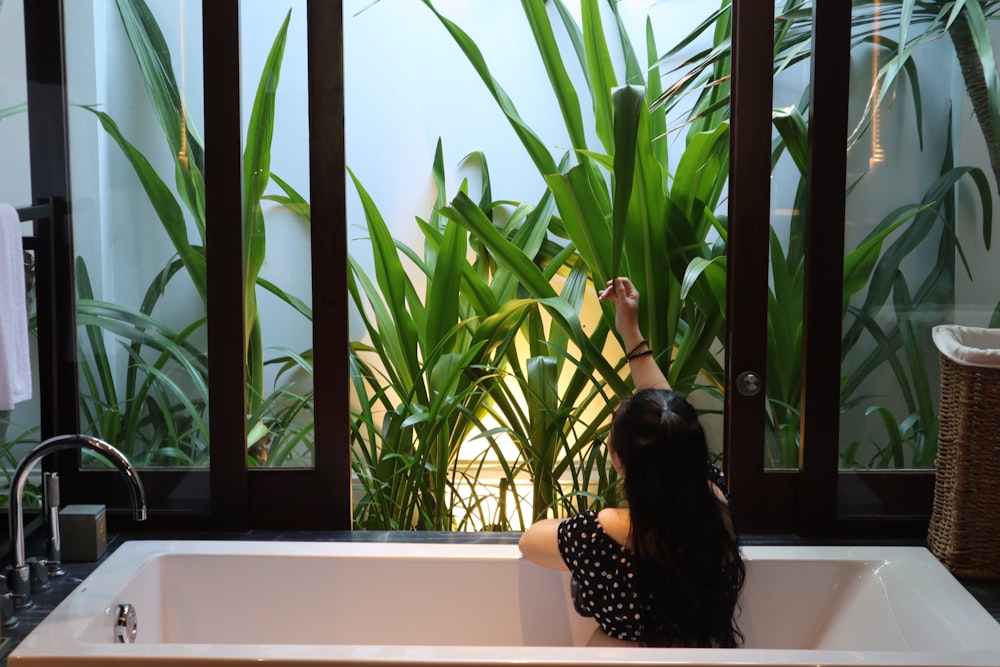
[{"x": 224, "y": 256}]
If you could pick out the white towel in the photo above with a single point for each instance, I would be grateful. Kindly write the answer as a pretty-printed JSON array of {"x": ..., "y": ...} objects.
[
  {"x": 968, "y": 346},
  {"x": 15, "y": 362}
]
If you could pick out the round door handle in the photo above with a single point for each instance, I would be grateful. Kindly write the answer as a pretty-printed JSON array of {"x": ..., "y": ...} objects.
[{"x": 748, "y": 383}]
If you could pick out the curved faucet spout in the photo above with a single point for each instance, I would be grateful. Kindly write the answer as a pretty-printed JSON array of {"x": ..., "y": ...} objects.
[{"x": 55, "y": 444}]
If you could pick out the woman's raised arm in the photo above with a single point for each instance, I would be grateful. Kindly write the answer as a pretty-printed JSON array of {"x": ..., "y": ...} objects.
[{"x": 646, "y": 374}]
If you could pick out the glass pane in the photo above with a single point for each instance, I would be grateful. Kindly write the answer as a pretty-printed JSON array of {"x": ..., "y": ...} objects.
[
  {"x": 445, "y": 162},
  {"x": 275, "y": 119},
  {"x": 138, "y": 220},
  {"x": 786, "y": 282},
  {"x": 916, "y": 161},
  {"x": 19, "y": 419}
]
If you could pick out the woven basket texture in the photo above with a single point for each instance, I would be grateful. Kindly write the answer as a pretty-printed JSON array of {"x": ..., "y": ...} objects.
[{"x": 964, "y": 530}]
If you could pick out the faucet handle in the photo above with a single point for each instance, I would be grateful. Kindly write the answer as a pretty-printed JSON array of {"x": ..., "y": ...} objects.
[
  {"x": 50, "y": 506},
  {"x": 18, "y": 586},
  {"x": 7, "y": 617},
  {"x": 39, "y": 569}
]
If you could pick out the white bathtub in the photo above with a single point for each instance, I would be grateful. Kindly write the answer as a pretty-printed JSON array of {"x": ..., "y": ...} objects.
[{"x": 339, "y": 603}]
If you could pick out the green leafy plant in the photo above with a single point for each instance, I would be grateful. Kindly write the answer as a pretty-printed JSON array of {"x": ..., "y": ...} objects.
[
  {"x": 157, "y": 414},
  {"x": 109, "y": 404},
  {"x": 872, "y": 267},
  {"x": 620, "y": 207},
  {"x": 641, "y": 216},
  {"x": 440, "y": 372},
  {"x": 559, "y": 416},
  {"x": 420, "y": 380},
  {"x": 26, "y": 436}
]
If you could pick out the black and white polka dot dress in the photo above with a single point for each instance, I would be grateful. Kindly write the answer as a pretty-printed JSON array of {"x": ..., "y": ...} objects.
[{"x": 603, "y": 577}]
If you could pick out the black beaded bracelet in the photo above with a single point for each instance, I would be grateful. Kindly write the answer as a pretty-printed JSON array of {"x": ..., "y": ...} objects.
[
  {"x": 636, "y": 355},
  {"x": 636, "y": 348}
]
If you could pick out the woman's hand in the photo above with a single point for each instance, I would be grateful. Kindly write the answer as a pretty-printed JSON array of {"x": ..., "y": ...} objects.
[
  {"x": 646, "y": 373},
  {"x": 623, "y": 294}
]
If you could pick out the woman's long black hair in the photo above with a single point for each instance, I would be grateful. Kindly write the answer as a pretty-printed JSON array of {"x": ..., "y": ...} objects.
[{"x": 685, "y": 553}]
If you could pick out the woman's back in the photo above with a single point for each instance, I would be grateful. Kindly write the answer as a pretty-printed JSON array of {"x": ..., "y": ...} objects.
[
  {"x": 612, "y": 585},
  {"x": 667, "y": 570},
  {"x": 686, "y": 554}
]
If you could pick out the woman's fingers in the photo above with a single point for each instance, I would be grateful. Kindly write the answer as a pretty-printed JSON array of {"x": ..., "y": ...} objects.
[{"x": 617, "y": 288}]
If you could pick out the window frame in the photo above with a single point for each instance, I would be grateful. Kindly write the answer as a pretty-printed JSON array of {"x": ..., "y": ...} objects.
[{"x": 230, "y": 497}]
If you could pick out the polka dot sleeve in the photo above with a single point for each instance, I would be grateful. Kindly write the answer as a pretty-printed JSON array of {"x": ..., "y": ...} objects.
[{"x": 603, "y": 574}]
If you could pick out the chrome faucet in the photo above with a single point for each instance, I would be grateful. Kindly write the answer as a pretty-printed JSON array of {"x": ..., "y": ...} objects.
[{"x": 18, "y": 580}]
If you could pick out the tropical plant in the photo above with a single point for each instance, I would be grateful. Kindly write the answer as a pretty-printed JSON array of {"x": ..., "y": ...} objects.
[
  {"x": 621, "y": 207},
  {"x": 895, "y": 28},
  {"x": 642, "y": 215},
  {"x": 867, "y": 268},
  {"x": 556, "y": 411},
  {"x": 915, "y": 310},
  {"x": 440, "y": 373},
  {"x": 157, "y": 415},
  {"x": 872, "y": 267},
  {"x": 112, "y": 408},
  {"x": 419, "y": 382},
  {"x": 26, "y": 437}
]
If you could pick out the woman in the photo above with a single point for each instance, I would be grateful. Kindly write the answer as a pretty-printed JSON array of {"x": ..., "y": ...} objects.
[{"x": 667, "y": 570}]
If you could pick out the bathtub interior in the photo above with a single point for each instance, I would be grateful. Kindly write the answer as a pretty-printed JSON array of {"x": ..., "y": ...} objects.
[
  {"x": 854, "y": 604},
  {"x": 211, "y": 599},
  {"x": 892, "y": 604}
]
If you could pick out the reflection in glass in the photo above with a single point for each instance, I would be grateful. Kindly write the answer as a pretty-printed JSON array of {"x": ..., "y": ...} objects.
[
  {"x": 19, "y": 427},
  {"x": 920, "y": 199},
  {"x": 138, "y": 219},
  {"x": 139, "y": 222},
  {"x": 918, "y": 190},
  {"x": 277, "y": 244}
]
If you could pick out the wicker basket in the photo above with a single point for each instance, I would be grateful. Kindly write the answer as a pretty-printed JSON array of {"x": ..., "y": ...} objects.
[{"x": 964, "y": 532}]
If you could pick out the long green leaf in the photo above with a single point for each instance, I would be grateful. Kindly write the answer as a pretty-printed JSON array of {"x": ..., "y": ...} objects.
[
  {"x": 628, "y": 105},
  {"x": 153, "y": 57},
  {"x": 536, "y": 149},
  {"x": 256, "y": 174},
  {"x": 562, "y": 85},
  {"x": 442, "y": 304},
  {"x": 392, "y": 278},
  {"x": 600, "y": 71},
  {"x": 163, "y": 202}
]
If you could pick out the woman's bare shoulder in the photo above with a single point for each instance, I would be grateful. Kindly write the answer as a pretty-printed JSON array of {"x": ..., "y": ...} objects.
[{"x": 616, "y": 524}]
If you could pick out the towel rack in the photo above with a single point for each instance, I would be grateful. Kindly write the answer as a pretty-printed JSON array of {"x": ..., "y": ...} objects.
[
  {"x": 38, "y": 213},
  {"x": 51, "y": 250}
]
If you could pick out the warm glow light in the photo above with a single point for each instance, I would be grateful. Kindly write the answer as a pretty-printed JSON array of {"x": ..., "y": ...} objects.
[
  {"x": 182, "y": 152},
  {"x": 491, "y": 501},
  {"x": 485, "y": 494},
  {"x": 878, "y": 154}
]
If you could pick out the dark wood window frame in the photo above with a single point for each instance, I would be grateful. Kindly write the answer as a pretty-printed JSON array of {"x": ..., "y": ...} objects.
[{"x": 229, "y": 497}]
